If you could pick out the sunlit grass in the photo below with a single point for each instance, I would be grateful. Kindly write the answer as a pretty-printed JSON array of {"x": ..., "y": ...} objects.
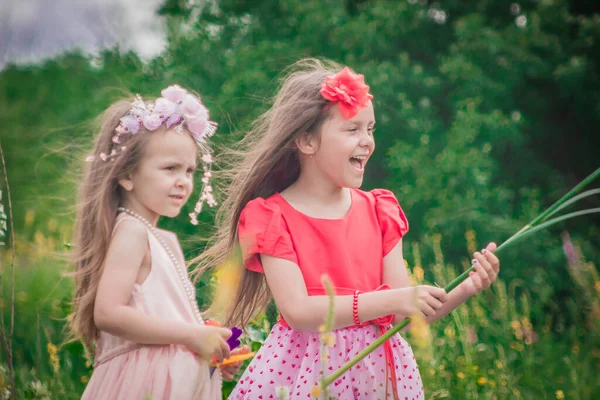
[{"x": 502, "y": 344}]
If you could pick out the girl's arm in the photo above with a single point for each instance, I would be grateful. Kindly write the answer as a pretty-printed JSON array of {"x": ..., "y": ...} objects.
[
  {"x": 112, "y": 313},
  {"x": 395, "y": 275},
  {"x": 307, "y": 313}
]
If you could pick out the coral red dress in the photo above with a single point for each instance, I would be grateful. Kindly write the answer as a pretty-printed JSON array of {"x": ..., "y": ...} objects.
[{"x": 350, "y": 251}]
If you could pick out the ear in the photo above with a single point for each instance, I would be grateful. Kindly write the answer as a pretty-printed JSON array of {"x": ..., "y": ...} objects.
[
  {"x": 307, "y": 144},
  {"x": 126, "y": 183}
]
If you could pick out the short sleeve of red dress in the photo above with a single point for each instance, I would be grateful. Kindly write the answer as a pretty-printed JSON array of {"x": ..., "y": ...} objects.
[
  {"x": 392, "y": 221},
  {"x": 262, "y": 230}
]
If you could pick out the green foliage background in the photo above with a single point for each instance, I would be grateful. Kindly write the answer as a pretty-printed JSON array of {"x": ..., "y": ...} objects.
[{"x": 482, "y": 123}]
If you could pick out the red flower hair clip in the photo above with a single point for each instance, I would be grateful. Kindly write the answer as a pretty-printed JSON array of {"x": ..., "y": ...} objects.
[{"x": 348, "y": 90}]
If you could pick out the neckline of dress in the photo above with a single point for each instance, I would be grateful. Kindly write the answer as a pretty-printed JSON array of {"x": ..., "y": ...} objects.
[{"x": 294, "y": 209}]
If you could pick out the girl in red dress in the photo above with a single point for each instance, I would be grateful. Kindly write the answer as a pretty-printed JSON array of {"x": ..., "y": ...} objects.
[{"x": 297, "y": 210}]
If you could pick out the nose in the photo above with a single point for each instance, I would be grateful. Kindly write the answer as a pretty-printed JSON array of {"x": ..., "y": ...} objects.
[
  {"x": 367, "y": 140},
  {"x": 184, "y": 180}
]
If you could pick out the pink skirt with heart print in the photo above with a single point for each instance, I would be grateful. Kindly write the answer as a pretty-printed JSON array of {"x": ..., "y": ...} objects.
[{"x": 290, "y": 360}]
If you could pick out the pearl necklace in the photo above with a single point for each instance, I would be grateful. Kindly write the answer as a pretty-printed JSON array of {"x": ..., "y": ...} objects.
[{"x": 190, "y": 290}]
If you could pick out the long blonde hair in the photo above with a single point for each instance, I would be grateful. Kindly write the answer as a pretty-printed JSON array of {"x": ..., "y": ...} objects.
[
  {"x": 268, "y": 164},
  {"x": 99, "y": 197}
]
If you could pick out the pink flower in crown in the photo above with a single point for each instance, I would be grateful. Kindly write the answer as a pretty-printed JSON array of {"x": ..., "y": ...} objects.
[
  {"x": 174, "y": 93},
  {"x": 152, "y": 121},
  {"x": 196, "y": 124},
  {"x": 195, "y": 114},
  {"x": 164, "y": 107},
  {"x": 348, "y": 90},
  {"x": 131, "y": 123},
  {"x": 191, "y": 106}
]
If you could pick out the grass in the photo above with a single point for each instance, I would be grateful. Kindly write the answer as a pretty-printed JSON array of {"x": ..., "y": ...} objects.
[{"x": 506, "y": 343}]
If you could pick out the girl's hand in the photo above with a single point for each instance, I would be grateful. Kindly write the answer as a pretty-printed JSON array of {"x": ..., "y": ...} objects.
[
  {"x": 207, "y": 341},
  {"x": 430, "y": 299},
  {"x": 229, "y": 371},
  {"x": 424, "y": 299},
  {"x": 486, "y": 271}
]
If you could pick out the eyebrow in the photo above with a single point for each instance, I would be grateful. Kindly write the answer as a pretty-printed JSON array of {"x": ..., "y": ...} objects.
[
  {"x": 177, "y": 163},
  {"x": 361, "y": 123}
]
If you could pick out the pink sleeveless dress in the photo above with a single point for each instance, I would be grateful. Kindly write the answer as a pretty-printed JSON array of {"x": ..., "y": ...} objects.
[{"x": 125, "y": 370}]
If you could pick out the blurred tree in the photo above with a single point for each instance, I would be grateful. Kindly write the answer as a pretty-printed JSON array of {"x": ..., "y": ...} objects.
[{"x": 486, "y": 110}]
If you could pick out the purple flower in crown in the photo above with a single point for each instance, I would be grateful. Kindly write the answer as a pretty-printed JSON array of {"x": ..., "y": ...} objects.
[
  {"x": 173, "y": 120},
  {"x": 164, "y": 107},
  {"x": 131, "y": 123},
  {"x": 152, "y": 121},
  {"x": 174, "y": 93}
]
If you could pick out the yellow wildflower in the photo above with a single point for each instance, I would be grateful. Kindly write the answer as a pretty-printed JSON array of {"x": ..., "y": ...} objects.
[
  {"x": 324, "y": 354},
  {"x": 482, "y": 381},
  {"x": 412, "y": 280},
  {"x": 560, "y": 394},
  {"x": 29, "y": 217},
  {"x": 228, "y": 276},
  {"x": 449, "y": 332},
  {"x": 460, "y": 375},
  {"x": 419, "y": 273},
  {"x": 420, "y": 330},
  {"x": 471, "y": 241},
  {"x": 53, "y": 355},
  {"x": 327, "y": 337},
  {"x": 315, "y": 392}
]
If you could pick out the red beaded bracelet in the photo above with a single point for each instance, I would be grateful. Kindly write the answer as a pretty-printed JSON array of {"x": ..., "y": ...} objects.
[{"x": 355, "y": 308}]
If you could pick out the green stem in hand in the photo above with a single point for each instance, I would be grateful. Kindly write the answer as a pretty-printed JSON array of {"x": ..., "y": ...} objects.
[
  {"x": 527, "y": 230},
  {"x": 566, "y": 197}
]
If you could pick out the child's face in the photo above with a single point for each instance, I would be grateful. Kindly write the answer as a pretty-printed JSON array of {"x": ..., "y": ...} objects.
[
  {"x": 345, "y": 146},
  {"x": 163, "y": 181}
]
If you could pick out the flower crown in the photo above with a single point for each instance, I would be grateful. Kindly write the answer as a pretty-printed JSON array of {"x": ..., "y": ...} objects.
[
  {"x": 348, "y": 90},
  {"x": 175, "y": 108}
]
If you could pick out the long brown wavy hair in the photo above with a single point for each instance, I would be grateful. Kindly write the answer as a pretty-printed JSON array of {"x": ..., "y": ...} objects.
[
  {"x": 266, "y": 163},
  {"x": 99, "y": 197}
]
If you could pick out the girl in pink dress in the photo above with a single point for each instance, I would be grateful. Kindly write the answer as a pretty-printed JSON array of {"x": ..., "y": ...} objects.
[
  {"x": 135, "y": 308},
  {"x": 296, "y": 208}
]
